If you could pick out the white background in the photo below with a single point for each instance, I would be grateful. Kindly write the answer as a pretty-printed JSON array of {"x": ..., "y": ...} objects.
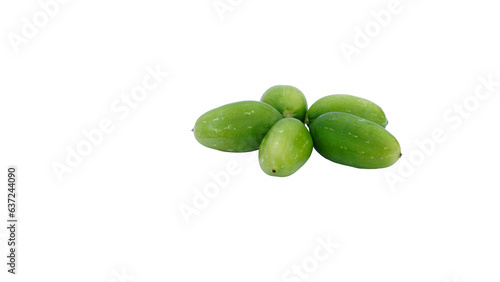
[{"x": 116, "y": 216}]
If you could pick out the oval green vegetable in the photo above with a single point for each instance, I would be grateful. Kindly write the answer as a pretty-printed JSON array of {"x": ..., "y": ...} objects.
[
  {"x": 236, "y": 127},
  {"x": 286, "y": 148},
  {"x": 347, "y": 104},
  {"x": 350, "y": 140},
  {"x": 288, "y": 100}
]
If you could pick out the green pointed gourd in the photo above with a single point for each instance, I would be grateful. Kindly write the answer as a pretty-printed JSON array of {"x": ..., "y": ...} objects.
[
  {"x": 347, "y": 104},
  {"x": 285, "y": 148},
  {"x": 350, "y": 140},
  {"x": 288, "y": 100},
  {"x": 236, "y": 127}
]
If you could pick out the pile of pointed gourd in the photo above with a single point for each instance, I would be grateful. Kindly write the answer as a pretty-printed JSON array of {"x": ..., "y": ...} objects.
[{"x": 343, "y": 128}]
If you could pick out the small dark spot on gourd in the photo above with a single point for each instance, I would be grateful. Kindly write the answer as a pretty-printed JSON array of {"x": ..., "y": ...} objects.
[{"x": 274, "y": 171}]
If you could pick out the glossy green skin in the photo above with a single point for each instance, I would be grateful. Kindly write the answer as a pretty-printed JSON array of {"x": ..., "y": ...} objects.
[
  {"x": 236, "y": 127},
  {"x": 288, "y": 100},
  {"x": 347, "y": 104},
  {"x": 286, "y": 148},
  {"x": 350, "y": 140}
]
